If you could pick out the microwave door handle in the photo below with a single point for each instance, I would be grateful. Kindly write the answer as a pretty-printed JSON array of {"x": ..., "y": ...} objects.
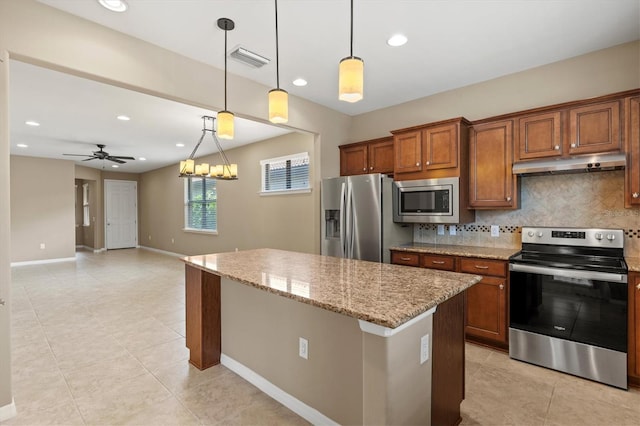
[{"x": 343, "y": 213}]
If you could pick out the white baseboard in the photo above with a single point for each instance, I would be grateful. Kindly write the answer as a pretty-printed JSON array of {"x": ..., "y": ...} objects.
[
  {"x": 43, "y": 261},
  {"x": 169, "y": 253},
  {"x": 8, "y": 411},
  {"x": 305, "y": 411}
]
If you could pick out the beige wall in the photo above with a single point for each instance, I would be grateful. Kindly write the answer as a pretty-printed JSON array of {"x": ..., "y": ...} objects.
[
  {"x": 245, "y": 218},
  {"x": 42, "y": 209}
]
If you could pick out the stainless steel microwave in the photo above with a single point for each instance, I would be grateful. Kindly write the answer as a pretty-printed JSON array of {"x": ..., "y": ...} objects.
[{"x": 430, "y": 201}]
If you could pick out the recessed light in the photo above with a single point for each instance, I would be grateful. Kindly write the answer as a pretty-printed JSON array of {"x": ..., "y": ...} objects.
[
  {"x": 397, "y": 40},
  {"x": 21, "y": 145},
  {"x": 180, "y": 145},
  {"x": 115, "y": 166},
  {"x": 142, "y": 159},
  {"x": 299, "y": 82},
  {"x": 114, "y": 5},
  {"x": 123, "y": 118},
  {"x": 32, "y": 123}
]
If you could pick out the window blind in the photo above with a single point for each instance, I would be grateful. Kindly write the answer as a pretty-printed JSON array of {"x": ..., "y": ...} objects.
[
  {"x": 289, "y": 173},
  {"x": 201, "y": 204}
]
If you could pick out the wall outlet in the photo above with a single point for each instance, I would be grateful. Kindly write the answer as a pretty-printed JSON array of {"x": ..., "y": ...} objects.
[
  {"x": 303, "y": 348},
  {"x": 495, "y": 231},
  {"x": 149, "y": 237},
  {"x": 424, "y": 349},
  {"x": 173, "y": 241},
  {"x": 452, "y": 230},
  {"x": 42, "y": 246},
  {"x": 440, "y": 229}
]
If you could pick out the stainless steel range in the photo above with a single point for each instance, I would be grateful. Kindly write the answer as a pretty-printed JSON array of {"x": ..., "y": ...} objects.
[{"x": 568, "y": 302}]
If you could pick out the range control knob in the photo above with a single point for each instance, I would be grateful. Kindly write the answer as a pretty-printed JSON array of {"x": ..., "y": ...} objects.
[
  {"x": 531, "y": 233},
  {"x": 598, "y": 236},
  {"x": 540, "y": 234},
  {"x": 611, "y": 237}
]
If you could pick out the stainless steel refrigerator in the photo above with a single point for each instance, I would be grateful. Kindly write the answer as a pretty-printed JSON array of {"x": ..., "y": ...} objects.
[{"x": 357, "y": 218}]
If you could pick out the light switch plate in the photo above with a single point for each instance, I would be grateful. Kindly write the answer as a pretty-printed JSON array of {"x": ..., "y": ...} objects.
[
  {"x": 495, "y": 231},
  {"x": 452, "y": 230},
  {"x": 440, "y": 229}
]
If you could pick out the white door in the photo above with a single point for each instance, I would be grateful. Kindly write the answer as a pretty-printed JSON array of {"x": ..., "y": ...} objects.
[{"x": 121, "y": 214}]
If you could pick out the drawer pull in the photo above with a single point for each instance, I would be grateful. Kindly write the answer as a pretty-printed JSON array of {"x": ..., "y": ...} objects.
[
  {"x": 635, "y": 195},
  {"x": 438, "y": 262},
  {"x": 501, "y": 286},
  {"x": 481, "y": 267},
  {"x": 405, "y": 258},
  {"x": 638, "y": 287}
]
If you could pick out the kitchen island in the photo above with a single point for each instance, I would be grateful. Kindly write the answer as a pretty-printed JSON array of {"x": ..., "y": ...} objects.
[{"x": 336, "y": 340}]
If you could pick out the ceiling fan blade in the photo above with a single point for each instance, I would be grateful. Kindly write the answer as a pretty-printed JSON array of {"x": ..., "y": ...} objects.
[
  {"x": 115, "y": 160},
  {"x": 121, "y": 157},
  {"x": 88, "y": 159},
  {"x": 79, "y": 155}
]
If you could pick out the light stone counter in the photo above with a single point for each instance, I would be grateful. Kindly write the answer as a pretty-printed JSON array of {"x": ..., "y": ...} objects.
[
  {"x": 456, "y": 250},
  {"x": 633, "y": 263},
  {"x": 383, "y": 294}
]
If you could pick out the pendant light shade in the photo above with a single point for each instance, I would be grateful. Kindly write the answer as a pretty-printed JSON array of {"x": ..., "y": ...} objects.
[
  {"x": 278, "y": 98},
  {"x": 225, "y": 118},
  {"x": 351, "y": 74},
  {"x": 351, "y": 79},
  {"x": 278, "y": 106},
  {"x": 225, "y": 125}
]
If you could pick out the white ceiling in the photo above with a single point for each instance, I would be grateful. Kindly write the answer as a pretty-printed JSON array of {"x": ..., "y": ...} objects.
[{"x": 451, "y": 44}]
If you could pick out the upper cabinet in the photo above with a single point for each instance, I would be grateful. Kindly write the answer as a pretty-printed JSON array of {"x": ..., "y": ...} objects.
[
  {"x": 632, "y": 176},
  {"x": 492, "y": 183},
  {"x": 595, "y": 128},
  {"x": 433, "y": 150},
  {"x": 539, "y": 136},
  {"x": 374, "y": 156}
]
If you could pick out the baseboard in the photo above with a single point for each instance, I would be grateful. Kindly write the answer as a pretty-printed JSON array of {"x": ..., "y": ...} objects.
[
  {"x": 8, "y": 411},
  {"x": 305, "y": 411},
  {"x": 168, "y": 253},
  {"x": 43, "y": 261}
]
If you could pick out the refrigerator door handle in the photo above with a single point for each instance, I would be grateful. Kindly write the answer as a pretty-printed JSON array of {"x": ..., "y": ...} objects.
[
  {"x": 343, "y": 212},
  {"x": 350, "y": 224}
]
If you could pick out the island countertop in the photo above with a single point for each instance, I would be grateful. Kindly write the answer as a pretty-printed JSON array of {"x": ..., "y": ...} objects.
[{"x": 383, "y": 294}]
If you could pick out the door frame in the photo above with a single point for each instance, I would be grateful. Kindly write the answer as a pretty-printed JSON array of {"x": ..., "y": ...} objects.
[{"x": 106, "y": 182}]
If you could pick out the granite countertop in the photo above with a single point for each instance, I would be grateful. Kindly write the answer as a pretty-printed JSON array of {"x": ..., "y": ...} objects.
[
  {"x": 455, "y": 250},
  {"x": 633, "y": 263},
  {"x": 383, "y": 294}
]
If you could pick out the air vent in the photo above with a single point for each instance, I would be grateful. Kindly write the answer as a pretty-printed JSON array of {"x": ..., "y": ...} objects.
[{"x": 247, "y": 57}]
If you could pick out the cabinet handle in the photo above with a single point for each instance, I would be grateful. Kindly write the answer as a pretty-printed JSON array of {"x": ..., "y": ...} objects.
[
  {"x": 635, "y": 195},
  {"x": 508, "y": 198},
  {"x": 405, "y": 258},
  {"x": 438, "y": 262},
  {"x": 481, "y": 267},
  {"x": 573, "y": 145},
  {"x": 428, "y": 162},
  {"x": 364, "y": 170},
  {"x": 371, "y": 168},
  {"x": 501, "y": 286},
  {"x": 557, "y": 147},
  {"x": 638, "y": 287},
  {"x": 417, "y": 164}
]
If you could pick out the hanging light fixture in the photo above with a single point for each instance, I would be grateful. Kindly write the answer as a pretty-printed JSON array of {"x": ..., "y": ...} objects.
[
  {"x": 225, "y": 118},
  {"x": 226, "y": 170},
  {"x": 278, "y": 98},
  {"x": 351, "y": 74}
]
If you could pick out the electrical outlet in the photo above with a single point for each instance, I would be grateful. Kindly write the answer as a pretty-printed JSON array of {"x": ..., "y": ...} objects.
[
  {"x": 424, "y": 349},
  {"x": 303, "y": 348},
  {"x": 173, "y": 241},
  {"x": 149, "y": 237},
  {"x": 42, "y": 246},
  {"x": 452, "y": 230},
  {"x": 440, "y": 229},
  {"x": 495, "y": 231}
]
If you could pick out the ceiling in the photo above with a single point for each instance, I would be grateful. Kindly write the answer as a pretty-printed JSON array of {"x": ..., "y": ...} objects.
[{"x": 451, "y": 44}]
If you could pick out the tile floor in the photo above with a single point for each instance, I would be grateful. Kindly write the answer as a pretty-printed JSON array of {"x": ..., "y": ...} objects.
[{"x": 100, "y": 341}]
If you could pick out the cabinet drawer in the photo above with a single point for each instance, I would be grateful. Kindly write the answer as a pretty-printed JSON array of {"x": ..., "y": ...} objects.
[
  {"x": 434, "y": 261},
  {"x": 404, "y": 258},
  {"x": 496, "y": 268}
]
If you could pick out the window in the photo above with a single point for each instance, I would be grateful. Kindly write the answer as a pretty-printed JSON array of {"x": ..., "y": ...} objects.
[
  {"x": 201, "y": 205},
  {"x": 286, "y": 174},
  {"x": 85, "y": 205}
]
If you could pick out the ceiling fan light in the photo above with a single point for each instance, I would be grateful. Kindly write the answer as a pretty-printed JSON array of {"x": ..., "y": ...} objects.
[
  {"x": 351, "y": 79},
  {"x": 278, "y": 106},
  {"x": 225, "y": 125}
]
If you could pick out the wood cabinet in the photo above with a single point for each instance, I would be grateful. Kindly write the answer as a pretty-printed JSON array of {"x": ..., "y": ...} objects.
[
  {"x": 374, "y": 156},
  {"x": 632, "y": 173},
  {"x": 595, "y": 128},
  {"x": 486, "y": 309},
  {"x": 539, "y": 136},
  {"x": 633, "y": 355},
  {"x": 437, "y": 261},
  {"x": 434, "y": 150},
  {"x": 405, "y": 258},
  {"x": 492, "y": 184}
]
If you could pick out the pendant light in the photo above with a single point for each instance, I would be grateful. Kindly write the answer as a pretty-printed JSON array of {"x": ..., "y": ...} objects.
[
  {"x": 278, "y": 98},
  {"x": 225, "y": 118},
  {"x": 351, "y": 74}
]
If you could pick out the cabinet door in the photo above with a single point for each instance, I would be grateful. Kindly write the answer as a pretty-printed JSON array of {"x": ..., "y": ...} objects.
[
  {"x": 633, "y": 357},
  {"x": 353, "y": 160},
  {"x": 492, "y": 183},
  {"x": 408, "y": 152},
  {"x": 539, "y": 136},
  {"x": 381, "y": 157},
  {"x": 632, "y": 193},
  {"x": 486, "y": 309},
  {"x": 440, "y": 147},
  {"x": 595, "y": 128},
  {"x": 436, "y": 261},
  {"x": 405, "y": 258}
]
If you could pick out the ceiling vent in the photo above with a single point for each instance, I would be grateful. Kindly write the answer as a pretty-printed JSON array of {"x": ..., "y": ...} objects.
[{"x": 248, "y": 57}]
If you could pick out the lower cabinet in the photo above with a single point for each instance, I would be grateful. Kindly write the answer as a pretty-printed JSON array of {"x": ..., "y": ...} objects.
[{"x": 633, "y": 356}]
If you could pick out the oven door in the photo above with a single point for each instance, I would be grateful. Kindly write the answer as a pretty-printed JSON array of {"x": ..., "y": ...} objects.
[{"x": 579, "y": 306}]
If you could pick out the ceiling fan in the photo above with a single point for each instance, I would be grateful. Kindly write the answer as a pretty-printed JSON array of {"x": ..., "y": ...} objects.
[{"x": 103, "y": 155}]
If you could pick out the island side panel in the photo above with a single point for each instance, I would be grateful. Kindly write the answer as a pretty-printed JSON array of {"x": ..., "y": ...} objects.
[
  {"x": 448, "y": 362},
  {"x": 203, "y": 328}
]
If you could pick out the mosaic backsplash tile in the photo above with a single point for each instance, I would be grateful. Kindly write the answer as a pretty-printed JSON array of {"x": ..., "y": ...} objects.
[{"x": 584, "y": 200}]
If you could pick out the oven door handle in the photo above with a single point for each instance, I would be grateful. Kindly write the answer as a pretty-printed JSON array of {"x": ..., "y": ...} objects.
[{"x": 570, "y": 273}]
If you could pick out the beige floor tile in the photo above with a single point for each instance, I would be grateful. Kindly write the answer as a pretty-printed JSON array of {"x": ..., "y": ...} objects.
[
  {"x": 565, "y": 411},
  {"x": 41, "y": 391},
  {"x": 147, "y": 333},
  {"x": 155, "y": 358},
  {"x": 64, "y": 414},
  {"x": 167, "y": 412},
  {"x": 85, "y": 351},
  {"x": 181, "y": 376},
  {"x": 264, "y": 411}
]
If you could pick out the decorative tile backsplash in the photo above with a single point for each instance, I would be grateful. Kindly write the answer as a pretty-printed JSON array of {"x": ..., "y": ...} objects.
[{"x": 584, "y": 200}]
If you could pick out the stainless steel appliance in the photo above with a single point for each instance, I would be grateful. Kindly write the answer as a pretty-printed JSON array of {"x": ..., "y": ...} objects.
[
  {"x": 568, "y": 302},
  {"x": 357, "y": 219},
  {"x": 430, "y": 201}
]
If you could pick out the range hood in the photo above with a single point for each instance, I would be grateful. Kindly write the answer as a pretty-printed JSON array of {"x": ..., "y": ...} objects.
[{"x": 589, "y": 163}]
